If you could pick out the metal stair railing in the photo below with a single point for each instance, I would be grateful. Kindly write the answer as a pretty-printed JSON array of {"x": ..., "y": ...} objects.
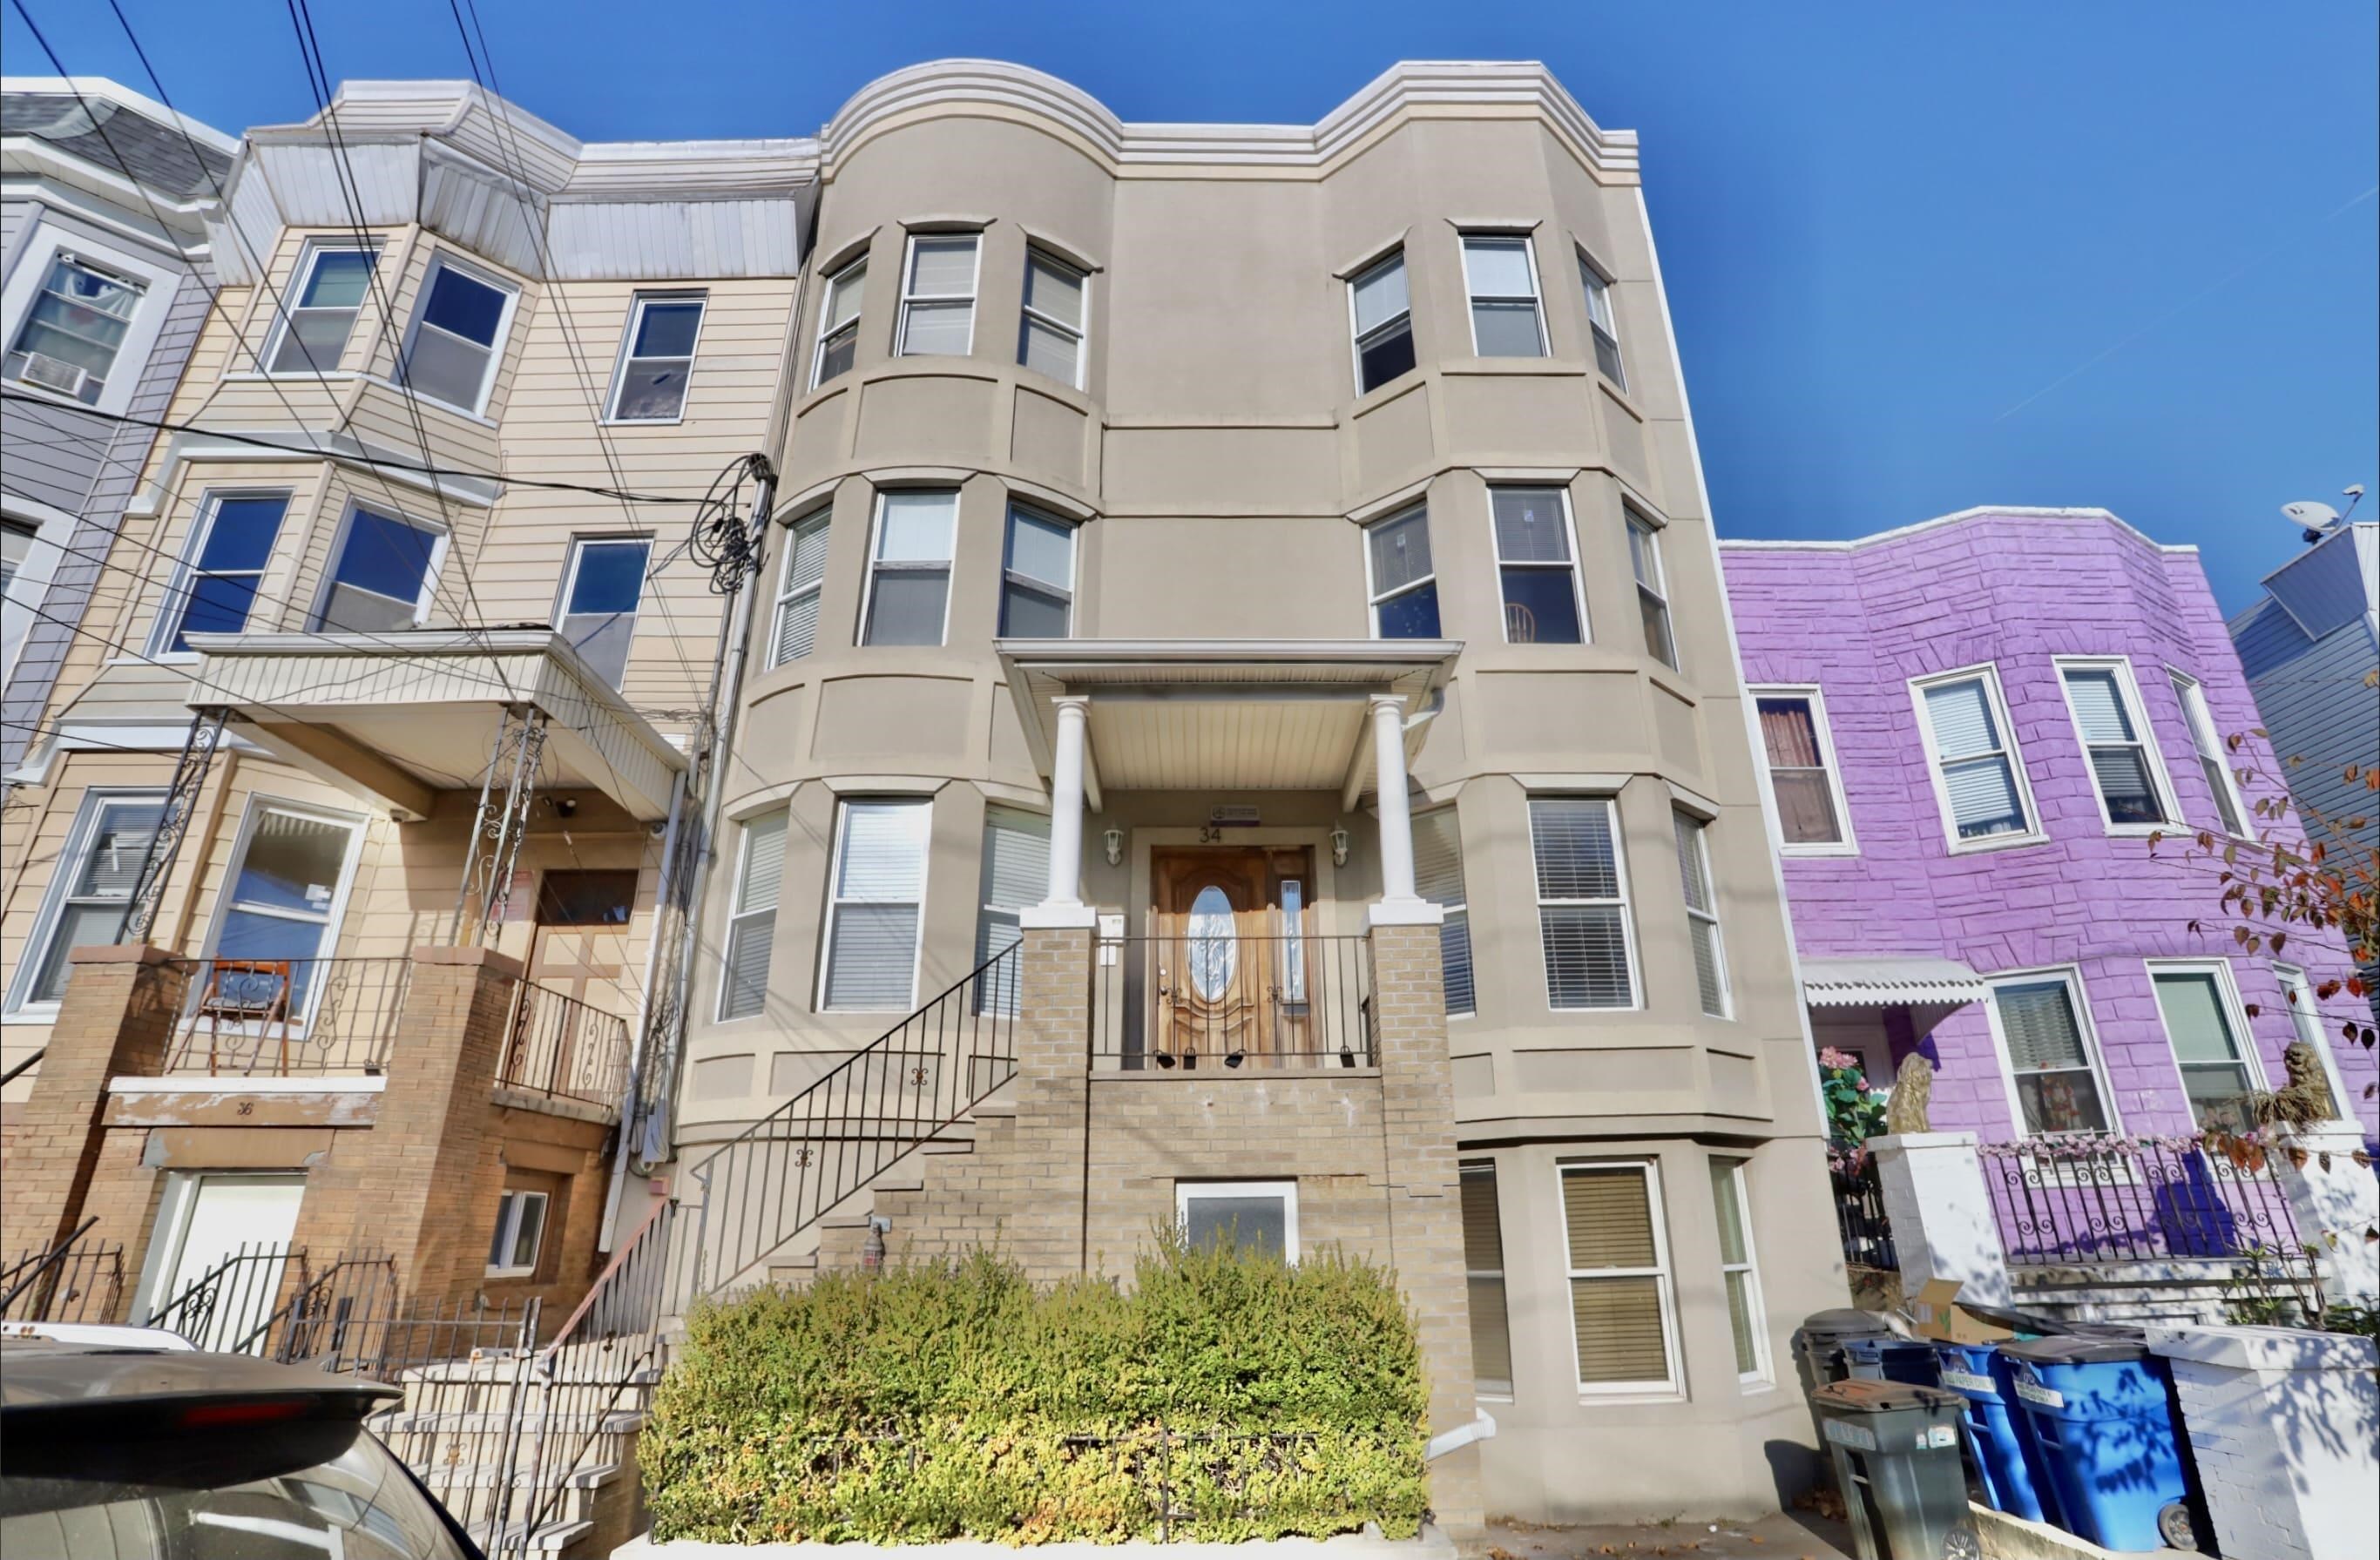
[{"x": 221, "y": 1308}]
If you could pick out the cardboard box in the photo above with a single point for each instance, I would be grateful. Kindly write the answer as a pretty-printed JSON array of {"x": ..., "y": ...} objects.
[{"x": 1934, "y": 1313}]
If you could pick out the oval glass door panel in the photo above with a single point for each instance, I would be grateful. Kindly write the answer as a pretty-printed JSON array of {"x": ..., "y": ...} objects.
[{"x": 1214, "y": 952}]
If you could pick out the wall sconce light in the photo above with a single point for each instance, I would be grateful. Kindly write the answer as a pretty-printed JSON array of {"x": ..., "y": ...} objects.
[
  {"x": 1338, "y": 847},
  {"x": 1115, "y": 837}
]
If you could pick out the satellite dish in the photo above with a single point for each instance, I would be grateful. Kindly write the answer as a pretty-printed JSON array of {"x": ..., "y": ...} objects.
[{"x": 2314, "y": 517}]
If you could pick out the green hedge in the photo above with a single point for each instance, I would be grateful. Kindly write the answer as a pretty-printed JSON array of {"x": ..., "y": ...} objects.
[{"x": 1239, "y": 1396}]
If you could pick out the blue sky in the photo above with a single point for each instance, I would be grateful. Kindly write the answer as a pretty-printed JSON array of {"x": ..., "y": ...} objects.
[{"x": 1921, "y": 257}]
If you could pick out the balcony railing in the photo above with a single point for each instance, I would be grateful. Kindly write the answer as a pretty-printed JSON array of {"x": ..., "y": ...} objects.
[
  {"x": 2070, "y": 1199},
  {"x": 1192, "y": 1002},
  {"x": 290, "y": 1018},
  {"x": 1859, "y": 1210},
  {"x": 564, "y": 1048}
]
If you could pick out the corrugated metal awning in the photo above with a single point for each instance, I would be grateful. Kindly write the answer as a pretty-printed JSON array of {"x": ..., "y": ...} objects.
[{"x": 1888, "y": 981}]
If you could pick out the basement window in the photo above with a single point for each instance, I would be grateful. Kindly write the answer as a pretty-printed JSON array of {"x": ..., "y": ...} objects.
[
  {"x": 1256, "y": 1216},
  {"x": 519, "y": 1236}
]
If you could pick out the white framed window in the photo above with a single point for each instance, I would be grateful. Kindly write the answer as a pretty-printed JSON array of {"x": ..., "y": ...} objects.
[
  {"x": 1260, "y": 1215},
  {"x": 319, "y": 316},
  {"x": 88, "y": 889},
  {"x": 601, "y": 593},
  {"x": 752, "y": 918},
  {"x": 2231, "y": 808},
  {"x": 1803, "y": 776},
  {"x": 519, "y": 1235},
  {"x": 656, "y": 358},
  {"x": 2126, "y": 769},
  {"x": 1624, "y": 1310},
  {"x": 2305, "y": 1020},
  {"x": 457, "y": 335},
  {"x": 1536, "y": 565},
  {"x": 69, "y": 340},
  {"x": 1702, "y": 911},
  {"x": 291, "y": 868},
  {"x": 1739, "y": 1272},
  {"x": 1057, "y": 317},
  {"x": 2041, "y": 1021},
  {"x": 1979, "y": 778},
  {"x": 214, "y": 588},
  {"x": 1601, "y": 323},
  {"x": 909, "y": 567},
  {"x": 1438, "y": 877},
  {"x": 800, "y": 587},
  {"x": 1379, "y": 313},
  {"x": 1582, "y": 920},
  {"x": 1652, "y": 589},
  {"x": 938, "y": 295},
  {"x": 1037, "y": 578},
  {"x": 2208, "y": 1031},
  {"x": 1483, "y": 1264},
  {"x": 1500, "y": 271},
  {"x": 838, "y": 341},
  {"x": 1015, "y": 874},
  {"x": 875, "y": 906},
  {"x": 1399, "y": 577},
  {"x": 384, "y": 577}
]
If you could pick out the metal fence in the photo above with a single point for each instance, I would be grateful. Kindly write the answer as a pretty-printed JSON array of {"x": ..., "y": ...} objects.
[
  {"x": 290, "y": 1018},
  {"x": 226, "y": 1308},
  {"x": 1190, "y": 1000},
  {"x": 79, "y": 1279},
  {"x": 559, "y": 1045},
  {"x": 1859, "y": 1211},
  {"x": 2067, "y": 1199}
]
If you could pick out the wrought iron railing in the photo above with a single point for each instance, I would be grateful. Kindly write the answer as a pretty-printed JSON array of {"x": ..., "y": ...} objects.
[
  {"x": 227, "y": 1307},
  {"x": 1858, "y": 1211},
  {"x": 1189, "y": 1002},
  {"x": 320, "y": 1319},
  {"x": 290, "y": 1018},
  {"x": 559, "y": 1045},
  {"x": 79, "y": 1279},
  {"x": 2067, "y": 1199}
]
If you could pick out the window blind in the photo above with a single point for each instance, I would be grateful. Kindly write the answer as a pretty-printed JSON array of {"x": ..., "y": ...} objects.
[
  {"x": 2039, "y": 1023},
  {"x": 1529, "y": 528},
  {"x": 112, "y": 864},
  {"x": 1702, "y": 914},
  {"x": 1438, "y": 877},
  {"x": 1399, "y": 551},
  {"x": 1015, "y": 874},
  {"x": 872, "y": 947},
  {"x": 1607, "y": 1217},
  {"x": 1962, "y": 715},
  {"x": 798, "y": 603},
  {"x": 1735, "y": 1263},
  {"x": 1483, "y": 1256},
  {"x": 1619, "y": 1319},
  {"x": 1576, "y": 858},
  {"x": 1618, "y": 1328},
  {"x": 752, "y": 930},
  {"x": 2098, "y": 705}
]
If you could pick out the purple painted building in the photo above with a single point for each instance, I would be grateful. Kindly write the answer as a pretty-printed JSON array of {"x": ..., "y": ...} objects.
[{"x": 1973, "y": 726}]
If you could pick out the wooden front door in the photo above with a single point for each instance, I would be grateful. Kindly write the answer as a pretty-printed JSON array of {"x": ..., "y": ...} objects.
[{"x": 1228, "y": 948}]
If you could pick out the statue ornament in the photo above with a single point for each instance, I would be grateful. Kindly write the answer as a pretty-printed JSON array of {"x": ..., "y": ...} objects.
[
  {"x": 1910, "y": 1108},
  {"x": 2304, "y": 1099}
]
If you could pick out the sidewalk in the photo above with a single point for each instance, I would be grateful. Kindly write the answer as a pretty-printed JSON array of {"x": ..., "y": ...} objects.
[{"x": 1798, "y": 1535}]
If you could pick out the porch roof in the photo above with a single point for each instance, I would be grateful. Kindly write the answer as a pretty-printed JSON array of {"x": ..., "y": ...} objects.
[
  {"x": 397, "y": 717},
  {"x": 1890, "y": 981},
  {"x": 1226, "y": 714}
]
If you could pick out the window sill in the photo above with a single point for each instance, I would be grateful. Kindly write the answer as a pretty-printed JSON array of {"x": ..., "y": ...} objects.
[
  {"x": 1559, "y": 368},
  {"x": 1387, "y": 389},
  {"x": 252, "y": 376},
  {"x": 33, "y": 1012},
  {"x": 677, "y": 421},
  {"x": 1817, "y": 853},
  {"x": 1997, "y": 842},
  {"x": 510, "y": 1273},
  {"x": 1650, "y": 1392},
  {"x": 1755, "y": 1387},
  {"x": 64, "y": 403},
  {"x": 2141, "y": 830}
]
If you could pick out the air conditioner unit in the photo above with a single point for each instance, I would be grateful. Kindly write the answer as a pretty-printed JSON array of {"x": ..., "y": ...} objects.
[{"x": 54, "y": 373}]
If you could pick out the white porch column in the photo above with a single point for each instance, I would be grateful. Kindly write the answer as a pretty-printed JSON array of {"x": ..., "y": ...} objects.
[
  {"x": 1400, "y": 903},
  {"x": 1062, "y": 904},
  {"x": 1940, "y": 1209}
]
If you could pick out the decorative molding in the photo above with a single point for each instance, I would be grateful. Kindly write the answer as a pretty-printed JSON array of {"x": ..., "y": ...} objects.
[{"x": 1980, "y": 511}]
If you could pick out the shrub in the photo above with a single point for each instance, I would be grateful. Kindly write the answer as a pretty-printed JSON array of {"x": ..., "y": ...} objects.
[{"x": 1226, "y": 1396}]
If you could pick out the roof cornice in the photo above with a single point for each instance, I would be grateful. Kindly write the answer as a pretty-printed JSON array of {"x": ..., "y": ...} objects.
[{"x": 1981, "y": 512}]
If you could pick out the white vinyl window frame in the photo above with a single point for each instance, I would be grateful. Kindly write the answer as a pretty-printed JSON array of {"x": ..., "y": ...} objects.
[
  {"x": 1672, "y": 1383},
  {"x": 1359, "y": 338},
  {"x": 2135, "y": 709},
  {"x": 766, "y": 830},
  {"x": 1652, "y": 581},
  {"x": 292, "y": 304},
  {"x": 1573, "y": 565},
  {"x": 1695, "y": 873},
  {"x": 181, "y": 587},
  {"x": 798, "y": 589},
  {"x": 2078, "y": 1002},
  {"x": 1498, "y": 1388},
  {"x": 2233, "y": 814},
  {"x": 1474, "y": 297},
  {"x": 316, "y": 620},
  {"x": 2305, "y": 1022},
  {"x": 512, "y": 1210},
  {"x": 580, "y": 546},
  {"x": 1763, "y": 1372},
  {"x": 878, "y": 566},
  {"x": 38, "y": 251},
  {"x": 441, "y": 262},
  {"x": 1987, "y": 673},
  {"x": 2234, "y": 1010},
  {"x": 1013, "y": 578},
  {"x": 1042, "y": 255},
  {"x": 1455, "y": 911},
  {"x": 836, "y": 903},
  {"x": 628, "y": 359},
  {"x": 1829, "y": 763},
  {"x": 972, "y": 297},
  {"x": 836, "y": 331},
  {"x": 333, "y": 918},
  {"x": 1374, "y": 596},
  {"x": 1623, "y": 902},
  {"x": 81, "y": 836},
  {"x": 1188, "y": 1191},
  {"x": 1602, "y": 324}
]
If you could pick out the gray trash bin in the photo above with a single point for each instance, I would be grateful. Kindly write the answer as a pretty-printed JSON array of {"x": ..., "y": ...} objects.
[
  {"x": 1818, "y": 1359},
  {"x": 1895, "y": 1449}
]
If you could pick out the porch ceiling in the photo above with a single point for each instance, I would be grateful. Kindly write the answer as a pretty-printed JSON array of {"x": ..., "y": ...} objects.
[
  {"x": 397, "y": 718},
  {"x": 1225, "y": 715}
]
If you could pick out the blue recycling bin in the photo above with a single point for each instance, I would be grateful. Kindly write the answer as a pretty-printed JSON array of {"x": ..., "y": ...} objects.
[
  {"x": 2008, "y": 1458},
  {"x": 1883, "y": 1356},
  {"x": 2101, "y": 1407}
]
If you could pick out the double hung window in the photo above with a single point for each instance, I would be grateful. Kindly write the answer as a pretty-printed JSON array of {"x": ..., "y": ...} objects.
[
  {"x": 1623, "y": 1312},
  {"x": 1501, "y": 274},
  {"x": 1582, "y": 902},
  {"x": 76, "y": 328},
  {"x": 1978, "y": 774},
  {"x": 1802, "y": 774},
  {"x": 322, "y": 308},
  {"x": 1537, "y": 566},
  {"x": 2208, "y": 744},
  {"x": 2050, "y": 1055},
  {"x": 909, "y": 569},
  {"x": 1403, "y": 579},
  {"x": 1057, "y": 296},
  {"x": 383, "y": 579},
  {"x": 1702, "y": 911},
  {"x": 1015, "y": 874},
  {"x": 519, "y": 1235},
  {"x": 1381, "y": 310},
  {"x": 216, "y": 589},
  {"x": 1652, "y": 591},
  {"x": 1438, "y": 877},
  {"x": 1037, "y": 582},
  {"x": 2305, "y": 1020},
  {"x": 286, "y": 888},
  {"x": 2124, "y": 765},
  {"x": 1483, "y": 1262},
  {"x": 657, "y": 357},
  {"x": 1601, "y": 321},
  {"x": 752, "y": 920},
  {"x": 838, "y": 342},
  {"x": 600, "y": 599},
  {"x": 457, "y": 333},
  {"x": 94, "y": 879},
  {"x": 798, "y": 590},
  {"x": 938, "y": 295},
  {"x": 2202, "y": 1022},
  {"x": 1737, "y": 1270},
  {"x": 873, "y": 911}
]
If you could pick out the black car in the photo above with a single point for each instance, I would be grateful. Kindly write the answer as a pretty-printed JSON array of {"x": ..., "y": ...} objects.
[{"x": 111, "y": 1451}]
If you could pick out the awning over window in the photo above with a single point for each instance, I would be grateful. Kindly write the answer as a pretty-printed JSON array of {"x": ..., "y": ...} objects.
[{"x": 1888, "y": 981}]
